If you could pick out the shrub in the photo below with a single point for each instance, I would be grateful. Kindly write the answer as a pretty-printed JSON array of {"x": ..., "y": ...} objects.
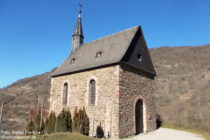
[
  {"x": 81, "y": 122},
  {"x": 63, "y": 122},
  {"x": 30, "y": 128},
  {"x": 69, "y": 121},
  {"x": 39, "y": 124},
  {"x": 36, "y": 124},
  {"x": 99, "y": 132},
  {"x": 50, "y": 123},
  {"x": 75, "y": 125}
]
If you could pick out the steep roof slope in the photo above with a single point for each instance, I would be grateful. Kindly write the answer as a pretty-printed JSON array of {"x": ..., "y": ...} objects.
[
  {"x": 101, "y": 52},
  {"x": 113, "y": 48}
]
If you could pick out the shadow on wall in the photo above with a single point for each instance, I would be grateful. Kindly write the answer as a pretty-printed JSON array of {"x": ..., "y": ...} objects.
[{"x": 159, "y": 121}]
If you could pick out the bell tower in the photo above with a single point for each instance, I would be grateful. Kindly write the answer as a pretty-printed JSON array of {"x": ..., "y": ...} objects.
[{"x": 77, "y": 37}]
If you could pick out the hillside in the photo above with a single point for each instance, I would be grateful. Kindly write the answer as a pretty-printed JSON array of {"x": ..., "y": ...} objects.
[
  {"x": 182, "y": 85},
  {"x": 21, "y": 96}
]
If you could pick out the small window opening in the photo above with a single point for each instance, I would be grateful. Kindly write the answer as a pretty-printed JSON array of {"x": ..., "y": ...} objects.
[
  {"x": 98, "y": 54},
  {"x": 92, "y": 92},
  {"x": 139, "y": 57},
  {"x": 65, "y": 94},
  {"x": 72, "y": 61}
]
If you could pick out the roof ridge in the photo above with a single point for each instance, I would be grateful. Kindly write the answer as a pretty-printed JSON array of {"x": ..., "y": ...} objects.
[{"x": 111, "y": 35}]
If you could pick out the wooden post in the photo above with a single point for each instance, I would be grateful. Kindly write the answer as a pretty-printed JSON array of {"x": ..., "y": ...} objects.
[
  {"x": 41, "y": 115},
  {"x": 105, "y": 123},
  {"x": 2, "y": 106},
  {"x": 37, "y": 111},
  {"x": 93, "y": 122},
  {"x": 93, "y": 126},
  {"x": 111, "y": 125}
]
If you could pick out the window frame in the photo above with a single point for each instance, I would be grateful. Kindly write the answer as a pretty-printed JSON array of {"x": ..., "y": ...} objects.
[
  {"x": 65, "y": 94},
  {"x": 92, "y": 92},
  {"x": 139, "y": 57}
]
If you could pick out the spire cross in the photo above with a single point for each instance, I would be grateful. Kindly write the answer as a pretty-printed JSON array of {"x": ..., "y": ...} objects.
[{"x": 80, "y": 8}]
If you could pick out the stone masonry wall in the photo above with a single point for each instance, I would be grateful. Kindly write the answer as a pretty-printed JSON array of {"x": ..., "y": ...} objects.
[
  {"x": 135, "y": 85},
  {"x": 106, "y": 110}
]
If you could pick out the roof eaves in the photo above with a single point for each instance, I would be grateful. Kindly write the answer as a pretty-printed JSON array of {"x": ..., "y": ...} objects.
[
  {"x": 82, "y": 70},
  {"x": 142, "y": 69}
]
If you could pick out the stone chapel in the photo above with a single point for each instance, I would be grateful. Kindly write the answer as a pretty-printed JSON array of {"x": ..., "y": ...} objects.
[{"x": 112, "y": 78}]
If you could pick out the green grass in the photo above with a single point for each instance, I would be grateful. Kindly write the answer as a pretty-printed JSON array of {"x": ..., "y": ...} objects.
[
  {"x": 63, "y": 136},
  {"x": 205, "y": 134}
]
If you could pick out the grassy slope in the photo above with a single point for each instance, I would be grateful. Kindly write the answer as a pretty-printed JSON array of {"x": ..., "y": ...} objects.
[{"x": 65, "y": 136}]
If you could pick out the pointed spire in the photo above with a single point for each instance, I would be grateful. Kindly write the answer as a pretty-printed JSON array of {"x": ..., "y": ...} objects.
[
  {"x": 77, "y": 37},
  {"x": 78, "y": 27}
]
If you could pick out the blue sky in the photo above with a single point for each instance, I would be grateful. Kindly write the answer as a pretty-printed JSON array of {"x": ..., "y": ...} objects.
[{"x": 35, "y": 35}]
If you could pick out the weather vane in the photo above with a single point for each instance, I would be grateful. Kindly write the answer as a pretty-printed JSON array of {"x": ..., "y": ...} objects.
[{"x": 80, "y": 8}]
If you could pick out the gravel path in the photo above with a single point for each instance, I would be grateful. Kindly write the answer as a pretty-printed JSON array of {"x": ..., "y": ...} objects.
[{"x": 167, "y": 134}]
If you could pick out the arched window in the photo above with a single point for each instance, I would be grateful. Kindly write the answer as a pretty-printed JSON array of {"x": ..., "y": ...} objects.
[
  {"x": 65, "y": 93},
  {"x": 92, "y": 92}
]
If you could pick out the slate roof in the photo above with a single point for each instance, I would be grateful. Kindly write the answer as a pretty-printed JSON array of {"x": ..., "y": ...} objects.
[{"x": 110, "y": 49}]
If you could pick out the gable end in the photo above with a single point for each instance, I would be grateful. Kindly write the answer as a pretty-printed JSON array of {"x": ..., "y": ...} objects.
[{"x": 137, "y": 54}]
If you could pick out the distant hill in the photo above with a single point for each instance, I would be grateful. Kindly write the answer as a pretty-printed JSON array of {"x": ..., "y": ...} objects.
[
  {"x": 183, "y": 85},
  {"x": 21, "y": 96},
  {"x": 182, "y": 89}
]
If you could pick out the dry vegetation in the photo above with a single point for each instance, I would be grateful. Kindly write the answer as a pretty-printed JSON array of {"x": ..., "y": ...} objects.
[
  {"x": 182, "y": 83},
  {"x": 22, "y": 96},
  {"x": 65, "y": 136}
]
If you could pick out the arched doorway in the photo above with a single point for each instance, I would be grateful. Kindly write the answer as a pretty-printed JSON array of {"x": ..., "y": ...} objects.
[{"x": 139, "y": 117}]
